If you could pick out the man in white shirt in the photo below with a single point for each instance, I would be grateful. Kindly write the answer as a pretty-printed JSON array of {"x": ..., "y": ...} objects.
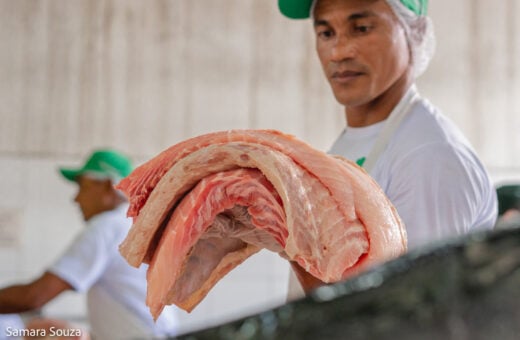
[
  {"x": 371, "y": 52},
  {"x": 92, "y": 263}
]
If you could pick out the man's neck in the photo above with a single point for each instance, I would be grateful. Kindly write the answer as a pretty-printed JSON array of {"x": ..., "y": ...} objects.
[
  {"x": 116, "y": 204},
  {"x": 379, "y": 108}
]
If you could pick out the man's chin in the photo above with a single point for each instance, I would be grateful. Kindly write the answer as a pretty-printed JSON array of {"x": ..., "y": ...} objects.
[
  {"x": 85, "y": 216},
  {"x": 351, "y": 100},
  {"x": 349, "y": 96}
]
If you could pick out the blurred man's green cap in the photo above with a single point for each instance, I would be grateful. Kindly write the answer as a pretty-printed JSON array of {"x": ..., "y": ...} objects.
[
  {"x": 301, "y": 9},
  {"x": 101, "y": 164}
]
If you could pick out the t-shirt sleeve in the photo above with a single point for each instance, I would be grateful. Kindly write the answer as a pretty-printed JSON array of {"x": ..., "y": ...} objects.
[
  {"x": 86, "y": 258},
  {"x": 438, "y": 192}
]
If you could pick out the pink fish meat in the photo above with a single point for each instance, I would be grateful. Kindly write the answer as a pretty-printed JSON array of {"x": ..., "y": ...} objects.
[{"x": 205, "y": 205}]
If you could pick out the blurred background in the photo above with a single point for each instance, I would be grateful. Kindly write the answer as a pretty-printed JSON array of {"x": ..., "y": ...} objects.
[{"x": 140, "y": 76}]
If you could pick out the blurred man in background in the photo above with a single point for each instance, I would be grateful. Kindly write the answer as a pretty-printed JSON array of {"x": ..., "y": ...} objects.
[{"x": 92, "y": 263}]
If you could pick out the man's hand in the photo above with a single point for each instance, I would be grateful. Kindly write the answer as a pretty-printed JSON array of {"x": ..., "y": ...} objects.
[{"x": 307, "y": 281}]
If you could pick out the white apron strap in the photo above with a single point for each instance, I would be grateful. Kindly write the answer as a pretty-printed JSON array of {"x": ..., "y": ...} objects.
[{"x": 392, "y": 123}]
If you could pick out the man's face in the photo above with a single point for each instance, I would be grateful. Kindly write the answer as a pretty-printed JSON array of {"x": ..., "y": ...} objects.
[
  {"x": 362, "y": 48},
  {"x": 92, "y": 196}
]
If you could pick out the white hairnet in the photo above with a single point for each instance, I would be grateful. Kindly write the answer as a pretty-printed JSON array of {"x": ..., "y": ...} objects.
[{"x": 420, "y": 35}]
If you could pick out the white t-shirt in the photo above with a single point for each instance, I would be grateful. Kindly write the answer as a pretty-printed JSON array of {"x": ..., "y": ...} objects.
[
  {"x": 430, "y": 173},
  {"x": 116, "y": 291}
]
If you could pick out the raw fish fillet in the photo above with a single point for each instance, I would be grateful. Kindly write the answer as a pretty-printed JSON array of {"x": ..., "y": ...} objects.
[{"x": 205, "y": 205}]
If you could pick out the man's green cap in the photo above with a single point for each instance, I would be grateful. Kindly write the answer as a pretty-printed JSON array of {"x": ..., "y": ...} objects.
[
  {"x": 300, "y": 9},
  {"x": 101, "y": 164}
]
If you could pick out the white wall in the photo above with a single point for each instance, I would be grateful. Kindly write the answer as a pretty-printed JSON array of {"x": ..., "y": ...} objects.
[{"x": 140, "y": 76}]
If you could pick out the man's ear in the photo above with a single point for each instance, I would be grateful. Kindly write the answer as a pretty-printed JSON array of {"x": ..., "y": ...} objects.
[
  {"x": 108, "y": 185},
  {"x": 109, "y": 194}
]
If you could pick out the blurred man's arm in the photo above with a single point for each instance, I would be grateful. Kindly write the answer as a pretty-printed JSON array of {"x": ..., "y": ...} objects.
[{"x": 31, "y": 296}]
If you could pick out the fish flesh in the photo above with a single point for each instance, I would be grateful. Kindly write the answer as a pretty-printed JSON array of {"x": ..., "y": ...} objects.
[{"x": 205, "y": 205}]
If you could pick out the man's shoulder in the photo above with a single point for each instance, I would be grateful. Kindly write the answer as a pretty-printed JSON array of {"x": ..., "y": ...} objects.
[
  {"x": 117, "y": 215},
  {"x": 426, "y": 126},
  {"x": 110, "y": 222},
  {"x": 425, "y": 140}
]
